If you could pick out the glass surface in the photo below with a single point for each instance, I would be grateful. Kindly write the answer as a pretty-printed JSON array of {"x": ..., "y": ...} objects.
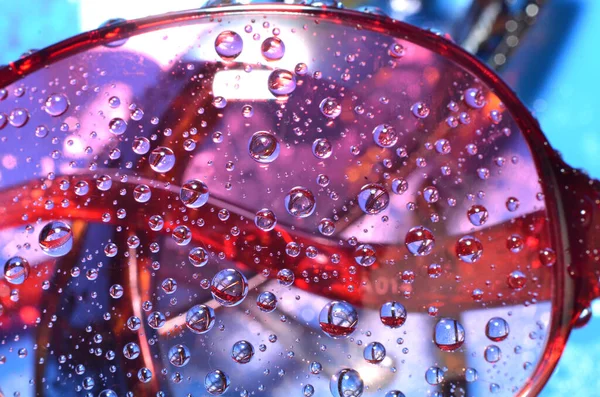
[{"x": 416, "y": 187}]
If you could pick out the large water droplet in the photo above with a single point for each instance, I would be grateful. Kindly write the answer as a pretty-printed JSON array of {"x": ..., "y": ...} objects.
[
  {"x": 229, "y": 287},
  {"x": 142, "y": 193},
  {"x": 448, "y": 334},
  {"x": 229, "y": 45},
  {"x": 263, "y": 147},
  {"x": 385, "y": 135},
  {"x": 338, "y": 319},
  {"x": 140, "y": 145},
  {"x": 272, "y": 49},
  {"x": 266, "y": 301},
  {"x": 374, "y": 353},
  {"x": 420, "y": 241},
  {"x": 200, "y": 319},
  {"x": 56, "y": 104},
  {"x": 198, "y": 256},
  {"x": 516, "y": 280},
  {"x": 322, "y": 148},
  {"x": 56, "y": 239},
  {"x": 265, "y": 219},
  {"x": 242, "y": 352},
  {"x": 300, "y": 202},
  {"x": 16, "y": 270},
  {"x": 131, "y": 351},
  {"x": 434, "y": 375},
  {"x": 330, "y": 108},
  {"x": 161, "y": 159},
  {"x": 346, "y": 383},
  {"x": 117, "y": 126},
  {"x": 216, "y": 382},
  {"x": 373, "y": 198},
  {"x": 477, "y": 215},
  {"x": 469, "y": 249},
  {"x": 420, "y": 110},
  {"x": 364, "y": 255},
  {"x": 474, "y": 98},
  {"x": 497, "y": 329},
  {"x": 281, "y": 83},
  {"x": 182, "y": 235},
  {"x": 179, "y": 355},
  {"x": 392, "y": 314},
  {"x": 194, "y": 193},
  {"x": 492, "y": 354}
]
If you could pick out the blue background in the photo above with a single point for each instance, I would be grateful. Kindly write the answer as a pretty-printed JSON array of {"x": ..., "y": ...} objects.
[{"x": 554, "y": 71}]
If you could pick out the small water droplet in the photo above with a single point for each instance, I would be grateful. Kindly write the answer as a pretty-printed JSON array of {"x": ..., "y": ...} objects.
[
  {"x": 266, "y": 301},
  {"x": 179, "y": 355},
  {"x": 56, "y": 104},
  {"x": 469, "y": 249},
  {"x": 200, "y": 319},
  {"x": 374, "y": 353},
  {"x": 265, "y": 219},
  {"x": 161, "y": 159},
  {"x": 56, "y": 239},
  {"x": 420, "y": 110},
  {"x": 448, "y": 335},
  {"x": 330, "y": 108},
  {"x": 338, "y": 319},
  {"x": 477, "y": 215},
  {"x": 385, "y": 135},
  {"x": 216, "y": 382},
  {"x": 242, "y": 352},
  {"x": 474, "y": 98},
  {"x": 420, "y": 241},
  {"x": 492, "y": 354},
  {"x": 263, "y": 147},
  {"x": 194, "y": 193},
  {"x": 229, "y": 287},
  {"x": 16, "y": 270},
  {"x": 229, "y": 45},
  {"x": 373, "y": 198},
  {"x": 300, "y": 202},
  {"x": 142, "y": 193},
  {"x": 272, "y": 49},
  {"x": 497, "y": 329},
  {"x": 322, "y": 148}
]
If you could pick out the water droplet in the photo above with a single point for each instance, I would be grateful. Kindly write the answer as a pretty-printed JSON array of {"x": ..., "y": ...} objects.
[
  {"x": 229, "y": 45},
  {"x": 266, "y": 301},
  {"x": 263, "y": 147},
  {"x": 16, "y": 270},
  {"x": 374, "y": 353},
  {"x": 322, "y": 148},
  {"x": 56, "y": 104},
  {"x": 394, "y": 393},
  {"x": 200, "y": 319},
  {"x": 169, "y": 285},
  {"x": 131, "y": 351},
  {"x": 477, "y": 215},
  {"x": 113, "y": 32},
  {"x": 140, "y": 145},
  {"x": 497, "y": 329},
  {"x": 469, "y": 249},
  {"x": 442, "y": 146},
  {"x": 104, "y": 183},
  {"x": 512, "y": 204},
  {"x": 229, "y": 287},
  {"x": 156, "y": 222},
  {"x": 142, "y": 193},
  {"x": 492, "y": 354},
  {"x": 198, "y": 257},
  {"x": 117, "y": 126},
  {"x": 471, "y": 375},
  {"x": 156, "y": 320},
  {"x": 216, "y": 382},
  {"x": 364, "y": 255},
  {"x": 219, "y": 102},
  {"x": 474, "y": 98},
  {"x": 194, "y": 193},
  {"x": 272, "y": 49},
  {"x": 56, "y": 239},
  {"x": 420, "y": 110},
  {"x": 431, "y": 194},
  {"x": 330, "y": 108},
  {"x": 396, "y": 50},
  {"x": 516, "y": 280},
  {"x": 242, "y": 352},
  {"x": 179, "y": 355},
  {"x": 18, "y": 117},
  {"x": 161, "y": 159},
  {"x": 338, "y": 319},
  {"x": 399, "y": 185},
  {"x": 281, "y": 83},
  {"x": 285, "y": 277},
  {"x": 434, "y": 375},
  {"x": 515, "y": 243},
  {"x": 107, "y": 393},
  {"x": 547, "y": 257},
  {"x": 420, "y": 241},
  {"x": 346, "y": 383},
  {"x": 326, "y": 227},
  {"x": 448, "y": 335},
  {"x": 373, "y": 198},
  {"x": 300, "y": 202},
  {"x": 385, "y": 135},
  {"x": 144, "y": 375},
  {"x": 182, "y": 235}
]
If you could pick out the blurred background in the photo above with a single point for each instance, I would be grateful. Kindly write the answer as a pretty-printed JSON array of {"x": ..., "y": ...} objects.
[{"x": 546, "y": 50}]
